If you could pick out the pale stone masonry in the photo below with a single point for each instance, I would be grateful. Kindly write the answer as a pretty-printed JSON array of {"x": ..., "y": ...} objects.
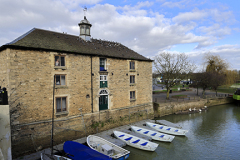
[{"x": 28, "y": 67}]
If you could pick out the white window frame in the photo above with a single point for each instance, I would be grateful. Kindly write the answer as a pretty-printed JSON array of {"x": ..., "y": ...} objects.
[
  {"x": 105, "y": 63},
  {"x": 103, "y": 77}
]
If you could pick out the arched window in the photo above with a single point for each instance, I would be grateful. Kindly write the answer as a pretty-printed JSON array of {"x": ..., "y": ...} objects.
[{"x": 103, "y": 92}]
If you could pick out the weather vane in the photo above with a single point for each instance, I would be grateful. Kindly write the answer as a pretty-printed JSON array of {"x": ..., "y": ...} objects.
[{"x": 85, "y": 10}]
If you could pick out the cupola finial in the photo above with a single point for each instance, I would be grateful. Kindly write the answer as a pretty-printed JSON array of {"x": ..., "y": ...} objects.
[{"x": 85, "y": 26}]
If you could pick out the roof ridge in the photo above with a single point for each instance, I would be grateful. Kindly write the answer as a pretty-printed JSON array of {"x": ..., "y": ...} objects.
[{"x": 21, "y": 37}]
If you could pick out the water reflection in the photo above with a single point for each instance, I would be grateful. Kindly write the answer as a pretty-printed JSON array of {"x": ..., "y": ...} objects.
[
  {"x": 137, "y": 154},
  {"x": 236, "y": 113},
  {"x": 213, "y": 134}
]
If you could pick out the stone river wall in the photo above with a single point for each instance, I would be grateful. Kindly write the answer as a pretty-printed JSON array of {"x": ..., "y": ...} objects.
[{"x": 162, "y": 109}]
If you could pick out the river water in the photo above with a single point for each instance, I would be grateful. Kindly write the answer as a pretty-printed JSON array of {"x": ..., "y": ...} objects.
[{"x": 213, "y": 134}]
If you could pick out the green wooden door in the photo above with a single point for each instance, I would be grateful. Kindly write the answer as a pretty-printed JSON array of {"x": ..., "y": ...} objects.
[{"x": 103, "y": 102}]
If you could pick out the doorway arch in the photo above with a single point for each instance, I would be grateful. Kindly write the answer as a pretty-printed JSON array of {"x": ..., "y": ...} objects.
[{"x": 103, "y": 99}]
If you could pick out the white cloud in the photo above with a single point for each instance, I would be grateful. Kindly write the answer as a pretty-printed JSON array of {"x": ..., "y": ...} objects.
[
  {"x": 145, "y": 31},
  {"x": 179, "y": 4},
  {"x": 216, "y": 30},
  {"x": 190, "y": 16}
]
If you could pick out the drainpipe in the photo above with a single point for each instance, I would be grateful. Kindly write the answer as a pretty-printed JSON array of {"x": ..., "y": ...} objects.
[
  {"x": 52, "y": 117},
  {"x": 91, "y": 87}
]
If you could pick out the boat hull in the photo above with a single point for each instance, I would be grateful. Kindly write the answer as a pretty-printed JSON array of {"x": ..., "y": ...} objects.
[
  {"x": 135, "y": 142},
  {"x": 166, "y": 129},
  {"x": 153, "y": 134}
]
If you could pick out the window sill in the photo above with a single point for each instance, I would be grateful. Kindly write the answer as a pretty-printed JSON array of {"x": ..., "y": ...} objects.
[
  {"x": 61, "y": 113},
  {"x": 59, "y": 86},
  {"x": 103, "y": 72},
  {"x": 132, "y": 70},
  {"x": 131, "y": 100},
  {"x": 60, "y": 67},
  {"x": 132, "y": 84}
]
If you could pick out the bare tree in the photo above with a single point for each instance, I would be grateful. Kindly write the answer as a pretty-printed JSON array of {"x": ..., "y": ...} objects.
[
  {"x": 217, "y": 80},
  {"x": 203, "y": 80},
  {"x": 173, "y": 68}
]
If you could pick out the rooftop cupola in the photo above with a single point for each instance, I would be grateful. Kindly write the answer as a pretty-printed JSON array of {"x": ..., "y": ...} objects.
[{"x": 85, "y": 26}]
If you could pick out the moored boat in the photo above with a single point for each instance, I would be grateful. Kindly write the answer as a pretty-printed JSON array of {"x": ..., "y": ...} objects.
[
  {"x": 136, "y": 142},
  {"x": 153, "y": 134},
  {"x": 107, "y": 148},
  {"x": 166, "y": 129},
  {"x": 77, "y": 151}
]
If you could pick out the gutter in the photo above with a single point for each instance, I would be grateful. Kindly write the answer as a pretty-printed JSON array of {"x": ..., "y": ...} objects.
[{"x": 91, "y": 86}]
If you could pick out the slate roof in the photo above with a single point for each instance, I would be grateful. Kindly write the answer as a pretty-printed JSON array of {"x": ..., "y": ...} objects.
[{"x": 38, "y": 39}]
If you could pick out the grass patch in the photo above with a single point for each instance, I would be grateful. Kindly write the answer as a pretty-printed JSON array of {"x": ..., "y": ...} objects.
[{"x": 226, "y": 90}]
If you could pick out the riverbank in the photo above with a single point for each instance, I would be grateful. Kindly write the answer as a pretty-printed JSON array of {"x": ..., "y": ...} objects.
[
  {"x": 105, "y": 134},
  {"x": 139, "y": 119}
]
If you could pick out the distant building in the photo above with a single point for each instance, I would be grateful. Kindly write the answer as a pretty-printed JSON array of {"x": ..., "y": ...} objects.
[{"x": 89, "y": 74}]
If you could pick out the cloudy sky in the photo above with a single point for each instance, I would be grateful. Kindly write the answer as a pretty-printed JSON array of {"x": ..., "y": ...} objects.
[{"x": 149, "y": 27}]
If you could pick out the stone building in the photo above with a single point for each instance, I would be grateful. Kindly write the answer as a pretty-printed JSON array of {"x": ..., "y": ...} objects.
[{"x": 75, "y": 75}]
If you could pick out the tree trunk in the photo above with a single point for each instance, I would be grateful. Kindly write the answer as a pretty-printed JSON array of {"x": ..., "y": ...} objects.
[
  {"x": 197, "y": 90},
  {"x": 203, "y": 93},
  {"x": 168, "y": 90},
  {"x": 216, "y": 92}
]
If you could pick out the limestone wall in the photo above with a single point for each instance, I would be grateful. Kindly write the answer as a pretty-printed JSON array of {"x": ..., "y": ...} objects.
[{"x": 29, "y": 77}]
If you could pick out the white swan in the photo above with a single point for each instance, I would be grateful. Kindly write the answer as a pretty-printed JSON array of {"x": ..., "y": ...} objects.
[{"x": 190, "y": 109}]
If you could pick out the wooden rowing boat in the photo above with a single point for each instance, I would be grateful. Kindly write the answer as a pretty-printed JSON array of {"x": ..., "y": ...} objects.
[
  {"x": 136, "y": 142},
  {"x": 153, "y": 134}
]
